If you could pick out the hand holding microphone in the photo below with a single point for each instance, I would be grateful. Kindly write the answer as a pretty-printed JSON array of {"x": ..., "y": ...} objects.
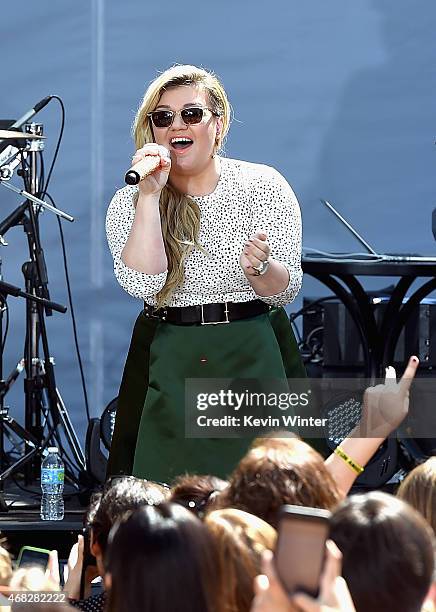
[{"x": 150, "y": 169}]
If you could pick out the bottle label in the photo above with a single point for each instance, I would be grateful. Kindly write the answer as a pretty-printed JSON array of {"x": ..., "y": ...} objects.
[{"x": 52, "y": 475}]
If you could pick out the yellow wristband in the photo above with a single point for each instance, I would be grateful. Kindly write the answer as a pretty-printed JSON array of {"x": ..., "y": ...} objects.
[{"x": 353, "y": 465}]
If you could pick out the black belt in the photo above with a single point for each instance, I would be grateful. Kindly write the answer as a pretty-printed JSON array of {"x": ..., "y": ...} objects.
[{"x": 207, "y": 314}]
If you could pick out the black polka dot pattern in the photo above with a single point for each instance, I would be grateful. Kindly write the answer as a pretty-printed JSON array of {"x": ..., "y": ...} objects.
[
  {"x": 248, "y": 198},
  {"x": 95, "y": 603}
]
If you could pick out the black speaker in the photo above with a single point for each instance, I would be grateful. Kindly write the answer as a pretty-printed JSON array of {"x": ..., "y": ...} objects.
[
  {"x": 331, "y": 347},
  {"x": 328, "y": 326}
]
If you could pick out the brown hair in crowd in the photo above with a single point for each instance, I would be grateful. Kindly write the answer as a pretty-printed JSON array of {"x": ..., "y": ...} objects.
[
  {"x": 196, "y": 492},
  {"x": 241, "y": 539},
  {"x": 277, "y": 471}
]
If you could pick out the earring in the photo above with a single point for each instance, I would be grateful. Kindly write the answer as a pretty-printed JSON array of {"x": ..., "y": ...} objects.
[{"x": 217, "y": 145}]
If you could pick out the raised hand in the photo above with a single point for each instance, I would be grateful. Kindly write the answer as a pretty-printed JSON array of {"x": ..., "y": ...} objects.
[
  {"x": 386, "y": 406},
  {"x": 156, "y": 181}
]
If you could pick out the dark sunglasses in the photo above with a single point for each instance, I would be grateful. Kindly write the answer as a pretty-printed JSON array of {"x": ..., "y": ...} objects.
[{"x": 190, "y": 116}]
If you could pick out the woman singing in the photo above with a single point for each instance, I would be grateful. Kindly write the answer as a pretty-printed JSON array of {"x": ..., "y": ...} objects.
[{"x": 203, "y": 239}]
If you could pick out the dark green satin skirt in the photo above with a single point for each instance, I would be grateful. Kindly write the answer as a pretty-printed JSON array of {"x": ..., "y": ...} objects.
[{"x": 149, "y": 438}]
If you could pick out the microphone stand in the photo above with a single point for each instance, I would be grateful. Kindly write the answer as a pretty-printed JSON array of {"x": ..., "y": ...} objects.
[
  {"x": 40, "y": 375},
  {"x": 32, "y": 198},
  {"x": 6, "y": 420}
]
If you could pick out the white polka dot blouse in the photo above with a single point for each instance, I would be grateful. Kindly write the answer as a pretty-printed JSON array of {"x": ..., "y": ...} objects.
[{"x": 248, "y": 198}]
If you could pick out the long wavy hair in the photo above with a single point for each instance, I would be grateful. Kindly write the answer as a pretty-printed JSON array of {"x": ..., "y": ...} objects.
[{"x": 180, "y": 214}]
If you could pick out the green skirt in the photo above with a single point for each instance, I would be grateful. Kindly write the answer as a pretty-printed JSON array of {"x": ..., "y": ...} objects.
[{"x": 149, "y": 437}]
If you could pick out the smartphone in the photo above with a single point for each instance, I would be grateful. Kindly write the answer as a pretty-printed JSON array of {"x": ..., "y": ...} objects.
[
  {"x": 29, "y": 555},
  {"x": 300, "y": 550},
  {"x": 88, "y": 559}
]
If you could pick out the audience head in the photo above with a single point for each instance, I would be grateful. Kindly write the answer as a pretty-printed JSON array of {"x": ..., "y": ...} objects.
[
  {"x": 388, "y": 552},
  {"x": 196, "y": 493},
  {"x": 162, "y": 558},
  {"x": 119, "y": 496},
  {"x": 419, "y": 490},
  {"x": 241, "y": 539},
  {"x": 5, "y": 567},
  {"x": 277, "y": 471}
]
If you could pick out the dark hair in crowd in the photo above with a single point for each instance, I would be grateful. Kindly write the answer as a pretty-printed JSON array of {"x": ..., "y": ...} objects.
[
  {"x": 277, "y": 471},
  {"x": 163, "y": 558},
  {"x": 196, "y": 493},
  {"x": 120, "y": 495},
  {"x": 388, "y": 552}
]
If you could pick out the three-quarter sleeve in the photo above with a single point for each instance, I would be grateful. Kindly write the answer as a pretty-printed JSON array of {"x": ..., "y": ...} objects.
[
  {"x": 276, "y": 212},
  {"x": 119, "y": 220}
]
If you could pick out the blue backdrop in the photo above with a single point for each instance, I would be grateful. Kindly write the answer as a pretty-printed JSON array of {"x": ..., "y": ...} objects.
[{"x": 338, "y": 95}]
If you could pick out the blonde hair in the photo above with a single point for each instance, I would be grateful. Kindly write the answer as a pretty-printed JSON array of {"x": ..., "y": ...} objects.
[
  {"x": 180, "y": 214},
  {"x": 419, "y": 490},
  {"x": 241, "y": 539}
]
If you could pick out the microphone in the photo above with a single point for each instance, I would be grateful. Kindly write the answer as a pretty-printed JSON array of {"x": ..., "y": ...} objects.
[
  {"x": 30, "y": 113},
  {"x": 142, "y": 169}
]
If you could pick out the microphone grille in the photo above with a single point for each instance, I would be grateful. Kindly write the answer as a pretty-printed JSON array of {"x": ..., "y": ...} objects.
[{"x": 131, "y": 178}]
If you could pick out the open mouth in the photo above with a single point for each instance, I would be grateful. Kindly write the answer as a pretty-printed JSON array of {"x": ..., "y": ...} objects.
[{"x": 181, "y": 143}]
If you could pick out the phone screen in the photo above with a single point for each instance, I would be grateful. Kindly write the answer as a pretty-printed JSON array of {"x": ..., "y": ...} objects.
[
  {"x": 300, "y": 551},
  {"x": 33, "y": 557}
]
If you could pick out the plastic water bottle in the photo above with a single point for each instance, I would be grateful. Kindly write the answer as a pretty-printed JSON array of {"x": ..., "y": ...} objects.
[{"x": 52, "y": 485}]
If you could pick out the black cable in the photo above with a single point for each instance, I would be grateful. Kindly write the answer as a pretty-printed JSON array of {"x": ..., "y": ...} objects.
[
  {"x": 297, "y": 314},
  {"x": 37, "y": 493},
  {"x": 42, "y": 170},
  {"x": 73, "y": 316},
  {"x": 303, "y": 342},
  {"x": 43, "y": 193},
  {"x": 53, "y": 434},
  {"x": 55, "y": 155}
]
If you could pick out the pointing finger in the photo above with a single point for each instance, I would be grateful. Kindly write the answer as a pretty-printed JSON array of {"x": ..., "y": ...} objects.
[{"x": 409, "y": 374}]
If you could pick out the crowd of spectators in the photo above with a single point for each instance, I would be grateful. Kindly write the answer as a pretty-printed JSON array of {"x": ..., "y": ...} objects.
[{"x": 203, "y": 544}]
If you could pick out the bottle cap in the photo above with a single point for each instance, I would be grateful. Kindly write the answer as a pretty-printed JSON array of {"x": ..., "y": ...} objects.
[{"x": 52, "y": 449}]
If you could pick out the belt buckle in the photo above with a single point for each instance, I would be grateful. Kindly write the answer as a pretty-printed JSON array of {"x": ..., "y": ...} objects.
[
  {"x": 226, "y": 312},
  {"x": 149, "y": 313}
]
